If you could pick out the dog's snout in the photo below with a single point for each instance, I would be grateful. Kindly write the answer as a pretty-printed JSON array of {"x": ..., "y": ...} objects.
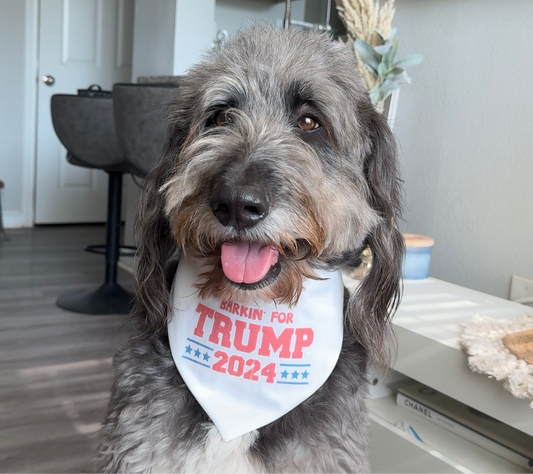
[{"x": 240, "y": 207}]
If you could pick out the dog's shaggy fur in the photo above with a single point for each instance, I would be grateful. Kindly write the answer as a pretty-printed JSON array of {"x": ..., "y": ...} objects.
[{"x": 332, "y": 191}]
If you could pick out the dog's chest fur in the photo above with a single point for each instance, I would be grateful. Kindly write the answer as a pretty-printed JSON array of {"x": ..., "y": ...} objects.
[
  {"x": 213, "y": 455},
  {"x": 154, "y": 424}
]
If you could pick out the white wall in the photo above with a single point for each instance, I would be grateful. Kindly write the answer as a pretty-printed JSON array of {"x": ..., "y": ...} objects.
[
  {"x": 195, "y": 32},
  {"x": 230, "y": 15},
  {"x": 17, "y": 96},
  {"x": 465, "y": 127},
  {"x": 153, "y": 38},
  {"x": 170, "y": 35}
]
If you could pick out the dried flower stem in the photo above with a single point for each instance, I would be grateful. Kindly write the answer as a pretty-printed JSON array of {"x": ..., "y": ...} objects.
[{"x": 362, "y": 18}]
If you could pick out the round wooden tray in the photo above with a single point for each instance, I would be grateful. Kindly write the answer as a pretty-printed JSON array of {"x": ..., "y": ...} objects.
[{"x": 520, "y": 344}]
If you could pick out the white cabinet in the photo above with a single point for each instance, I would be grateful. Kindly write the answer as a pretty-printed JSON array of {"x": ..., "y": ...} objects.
[{"x": 427, "y": 326}]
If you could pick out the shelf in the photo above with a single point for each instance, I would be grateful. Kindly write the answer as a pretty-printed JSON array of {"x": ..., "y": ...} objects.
[{"x": 393, "y": 450}]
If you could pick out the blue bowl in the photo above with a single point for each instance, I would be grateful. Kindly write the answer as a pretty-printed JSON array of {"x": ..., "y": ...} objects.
[{"x": 417, "y": 257}]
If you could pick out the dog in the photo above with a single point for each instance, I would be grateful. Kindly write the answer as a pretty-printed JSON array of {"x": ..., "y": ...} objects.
[{"x": 272, "y": 141}]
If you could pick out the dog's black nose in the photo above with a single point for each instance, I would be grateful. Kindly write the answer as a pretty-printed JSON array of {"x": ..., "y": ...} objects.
[{"x": 240, "y": 207}]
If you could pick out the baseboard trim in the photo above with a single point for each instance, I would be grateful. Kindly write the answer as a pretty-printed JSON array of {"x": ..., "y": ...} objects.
[{"x": 15, "y": 220}]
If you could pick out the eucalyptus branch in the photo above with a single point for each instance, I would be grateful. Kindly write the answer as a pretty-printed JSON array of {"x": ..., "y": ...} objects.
[{"x": 371, "y": 35}]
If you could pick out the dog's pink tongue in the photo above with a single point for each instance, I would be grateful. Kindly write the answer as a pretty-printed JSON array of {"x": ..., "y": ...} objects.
[{"x": 244, "y": 262}]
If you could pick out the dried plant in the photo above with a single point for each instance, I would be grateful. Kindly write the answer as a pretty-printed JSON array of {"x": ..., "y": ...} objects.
[
  {"x": 369, "y": 29},
  {"x": 386, "y": 14},
  {"x": 363, "y": 18}
]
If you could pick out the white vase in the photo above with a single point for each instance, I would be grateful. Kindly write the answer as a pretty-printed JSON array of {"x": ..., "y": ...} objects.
[{"x": 390, "y": 107}]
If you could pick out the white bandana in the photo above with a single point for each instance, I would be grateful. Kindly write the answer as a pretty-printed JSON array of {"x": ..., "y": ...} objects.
[{"x": 248, "y": 365}]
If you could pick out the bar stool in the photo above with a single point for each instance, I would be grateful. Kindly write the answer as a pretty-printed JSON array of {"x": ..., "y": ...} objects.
[
  {"x": 140, "y": 121},
  {"x": 86, "y": 127}
]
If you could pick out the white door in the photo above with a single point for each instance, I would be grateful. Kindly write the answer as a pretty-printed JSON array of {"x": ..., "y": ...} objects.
[{"x": 81, "y": 42}]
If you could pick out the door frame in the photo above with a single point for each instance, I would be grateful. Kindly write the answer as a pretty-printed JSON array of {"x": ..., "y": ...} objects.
[{"x": 25, "y": 217}]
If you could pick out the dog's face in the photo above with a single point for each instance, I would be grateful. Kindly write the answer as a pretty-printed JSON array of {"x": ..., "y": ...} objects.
[{"x": 276, "y": 164}]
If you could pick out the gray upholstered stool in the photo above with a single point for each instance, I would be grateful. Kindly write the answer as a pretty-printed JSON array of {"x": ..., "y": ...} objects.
[
  {"x": 140, "y": 120},
  {"x": 86, "y": 127}
]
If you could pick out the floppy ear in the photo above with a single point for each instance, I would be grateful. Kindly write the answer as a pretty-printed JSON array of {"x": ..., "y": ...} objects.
[
  {"x": 156, "y": 245},
  {"x": 376, "y": 299}
]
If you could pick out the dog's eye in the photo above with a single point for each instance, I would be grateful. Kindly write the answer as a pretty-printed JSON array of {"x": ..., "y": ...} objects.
[
  {"x": 221, "y": 119},
  {"x": 307, "y": 124}
]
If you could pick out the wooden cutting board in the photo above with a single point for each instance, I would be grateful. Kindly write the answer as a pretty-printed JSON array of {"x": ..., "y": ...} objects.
[{"x": 520, "y": 344}]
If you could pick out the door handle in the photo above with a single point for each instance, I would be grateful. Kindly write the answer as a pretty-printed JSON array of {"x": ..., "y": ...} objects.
[{"x": 49, "y": 80}]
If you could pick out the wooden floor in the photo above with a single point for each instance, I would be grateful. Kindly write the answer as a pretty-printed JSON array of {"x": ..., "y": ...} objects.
[{"x": 55, "y": 366}]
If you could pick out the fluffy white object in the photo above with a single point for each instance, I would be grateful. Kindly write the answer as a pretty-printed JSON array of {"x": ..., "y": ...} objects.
[{"x": 482, "y": 340}]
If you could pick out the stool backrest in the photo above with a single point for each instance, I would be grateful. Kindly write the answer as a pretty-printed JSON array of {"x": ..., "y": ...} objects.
[
  {"x": 86, "y": 127},
  {"x": 140, "y": 120}
]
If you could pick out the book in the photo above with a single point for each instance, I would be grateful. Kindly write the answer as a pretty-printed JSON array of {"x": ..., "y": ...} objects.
[{"x": 470, "y": 424}]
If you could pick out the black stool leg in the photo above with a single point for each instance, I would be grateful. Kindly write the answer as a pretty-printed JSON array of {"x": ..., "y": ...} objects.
[
  {"x": 114, "y": 204},
  {"x": 110, "y": 298}
]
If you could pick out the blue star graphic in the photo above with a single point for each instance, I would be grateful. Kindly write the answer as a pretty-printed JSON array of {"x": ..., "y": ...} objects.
[
  {"x": 197, "y": 353},
  {"x": 284, "y": 374},
  {"x": 295, "y": 375},
  {"x": 188, "y": 349},
  {"x": 206, "y": 356},
  {"x": 305, "y": 374}
]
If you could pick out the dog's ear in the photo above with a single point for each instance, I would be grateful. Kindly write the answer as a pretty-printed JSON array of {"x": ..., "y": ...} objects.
[
  {"x": 376, "y": 299},
  {"x": 156, "y": 245}
]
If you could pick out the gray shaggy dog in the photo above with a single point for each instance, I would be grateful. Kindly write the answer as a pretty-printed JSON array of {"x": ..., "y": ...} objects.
[{"x": 272, "y": 140}]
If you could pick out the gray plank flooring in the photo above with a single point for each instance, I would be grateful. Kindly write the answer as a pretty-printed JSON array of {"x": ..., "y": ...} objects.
[{"x": 55, "y": 366}]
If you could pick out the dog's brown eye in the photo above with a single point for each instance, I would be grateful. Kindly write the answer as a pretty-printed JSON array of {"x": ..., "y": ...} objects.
[
  {"x": 221, "y": 119},
  {"x": 307, "y": 124}
]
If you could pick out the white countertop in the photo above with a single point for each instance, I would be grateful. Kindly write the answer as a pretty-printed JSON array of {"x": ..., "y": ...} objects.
[{"x": 436, "y": 309}]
